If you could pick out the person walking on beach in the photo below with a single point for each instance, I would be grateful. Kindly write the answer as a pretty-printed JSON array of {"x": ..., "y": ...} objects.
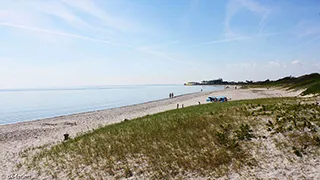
[{"x": 172, "y": 95}]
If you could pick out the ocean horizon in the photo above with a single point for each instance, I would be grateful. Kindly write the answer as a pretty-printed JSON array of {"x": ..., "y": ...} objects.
[{"x": 19, "y": 105}]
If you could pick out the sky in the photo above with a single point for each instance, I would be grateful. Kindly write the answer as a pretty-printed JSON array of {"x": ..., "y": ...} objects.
[{"x": 64, "y": 43}]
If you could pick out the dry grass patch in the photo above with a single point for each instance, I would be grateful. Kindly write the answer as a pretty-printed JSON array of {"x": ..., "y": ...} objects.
[{"x": 202, "y": 141}]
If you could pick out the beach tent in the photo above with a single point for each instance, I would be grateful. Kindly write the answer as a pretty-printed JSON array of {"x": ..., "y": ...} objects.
[
  {"x": 222, "y": 98},
  {"x": 216, "y": 99},
  {"x": 211, "y": 99}
]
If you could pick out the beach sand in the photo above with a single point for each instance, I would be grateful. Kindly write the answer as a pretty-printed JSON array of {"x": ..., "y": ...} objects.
[{"x": 17, "y": 137}]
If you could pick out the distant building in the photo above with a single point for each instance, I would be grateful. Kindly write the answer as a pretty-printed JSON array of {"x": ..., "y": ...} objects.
[{"x": 191, "y": 83}]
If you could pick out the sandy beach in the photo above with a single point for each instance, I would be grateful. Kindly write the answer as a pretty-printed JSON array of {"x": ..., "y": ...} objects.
[{"x": 17, "y": 137}]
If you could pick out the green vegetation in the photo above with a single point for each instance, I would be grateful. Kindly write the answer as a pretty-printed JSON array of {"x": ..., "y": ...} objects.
[
  {"x": 200, "y": 141},
  {"x": 312, "y": 89},
  {"x": 309, "y": 82}
]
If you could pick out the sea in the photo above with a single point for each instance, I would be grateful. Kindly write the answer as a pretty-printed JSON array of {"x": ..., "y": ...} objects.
[{"x": 19, "y": 105}]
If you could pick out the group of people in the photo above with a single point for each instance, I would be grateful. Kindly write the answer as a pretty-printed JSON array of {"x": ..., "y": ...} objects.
[{"x": 171, "y": 95}]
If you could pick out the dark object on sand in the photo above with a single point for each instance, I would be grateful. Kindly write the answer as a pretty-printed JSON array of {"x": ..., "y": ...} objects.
[
  {"x": 66, "y": 136},
  {"x": 70, "y": 123},
  {"x": 49, "y": 124},
  {"x": 199, "y": 103},
  {"x": 177, "y": 106},
  {"x": 211, "y": 99},
  {"x": 126, "y": 119},
  {"x": 217, "y": 99}
]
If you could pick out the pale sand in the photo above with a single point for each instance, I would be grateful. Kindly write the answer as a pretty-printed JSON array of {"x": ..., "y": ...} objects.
[{"x": 17, "y": 137}]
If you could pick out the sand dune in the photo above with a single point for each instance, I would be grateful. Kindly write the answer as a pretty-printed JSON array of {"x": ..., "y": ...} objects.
[{"x": 17, "y": 137}]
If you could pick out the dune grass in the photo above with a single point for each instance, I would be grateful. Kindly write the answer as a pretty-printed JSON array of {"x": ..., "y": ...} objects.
[
  {"x": 309, "y": 82},
  {"x": 313, "y": 89},
  {"x": 200, "y": 141}
]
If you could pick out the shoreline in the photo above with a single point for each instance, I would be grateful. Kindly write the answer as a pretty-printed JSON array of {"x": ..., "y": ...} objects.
[
  {"x": 17, "y": 137},
  {"x": 103, "y": 109}
]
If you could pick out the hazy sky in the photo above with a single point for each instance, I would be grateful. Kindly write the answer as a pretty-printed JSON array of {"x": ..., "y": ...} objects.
[{"x": 85, "y": 42}]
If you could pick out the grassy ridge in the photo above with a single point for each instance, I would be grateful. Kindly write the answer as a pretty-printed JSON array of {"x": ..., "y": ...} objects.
[
  {"x": 205, "y": 140},
  {"x": 310, "y": 82},
  {"x": 312, "y": 89}
]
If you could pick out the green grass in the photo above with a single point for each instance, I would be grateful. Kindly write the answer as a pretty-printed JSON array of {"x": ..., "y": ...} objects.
[
  {"x": 313, "y": 89},
  {"x": 309, "y": 82},
  {"x": 205, "y": 140}
]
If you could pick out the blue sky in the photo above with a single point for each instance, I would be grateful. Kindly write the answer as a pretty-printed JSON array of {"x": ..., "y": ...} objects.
[{"x": 59, "y": 43}]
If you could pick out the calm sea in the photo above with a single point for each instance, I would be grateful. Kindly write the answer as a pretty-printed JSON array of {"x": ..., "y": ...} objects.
[{"x": 25, "y": 105}]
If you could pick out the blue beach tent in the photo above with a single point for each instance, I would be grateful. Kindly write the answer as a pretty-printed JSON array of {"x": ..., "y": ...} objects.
[
  {"x": 222, "y": 98},
  {"x": 211, "y": 99},
  {"x": 216, "y": 99}
]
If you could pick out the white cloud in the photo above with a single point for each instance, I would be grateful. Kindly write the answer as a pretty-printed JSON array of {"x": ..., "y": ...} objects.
[
  {"x": 236, "y": 39},
  {"x": 185, "y": 20},
  {"x": 27, "y": 18},
  {"x": 65, "y": 14},
  {"x": 277, "y": 64},
  {"x": 162, "y": 55},
  {"x": 58, "y": 33},
  {"x": 274, "y": 63},
  {"x": 296, "y": 62},
  {"x": 224, "y": 40},
  {"x": 160, "y": 45},
  {"x": 147, "y": 50},
  {"x": 234, "y": 6},
  {"x": 306, "y": 27},
  {"x": 263, "y": 21},
  {"x": 42, "y": 15},
  {"x": 40, "y": 19},
  {"x": 305, "y": 43},
  {"x": 92, "y": 9},
  {"x": 81, "y": 17}
]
